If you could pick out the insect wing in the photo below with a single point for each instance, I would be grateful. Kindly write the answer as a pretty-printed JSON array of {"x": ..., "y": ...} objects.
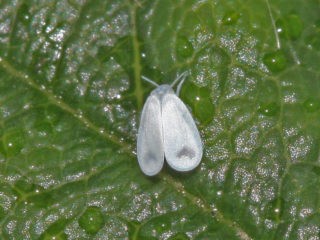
[
  {"x": 150, "y": 138},
  {"x": 182, "y": 142}
]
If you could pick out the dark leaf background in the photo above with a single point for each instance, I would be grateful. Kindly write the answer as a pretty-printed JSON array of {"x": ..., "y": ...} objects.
[{"x": 71, "y": 96}]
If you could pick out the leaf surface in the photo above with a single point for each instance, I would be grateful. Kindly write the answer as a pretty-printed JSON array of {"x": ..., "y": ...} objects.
[{"x": 70, "y": 101}]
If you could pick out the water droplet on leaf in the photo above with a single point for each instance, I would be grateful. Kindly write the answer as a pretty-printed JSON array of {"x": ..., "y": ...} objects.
[
  {"x": 311, "y": 105},
  {"x": 199, "y": 99},
  {"x": 184, "y": 48},
  {"x": 269, "y": 109},
  {"x": 13, "y": 142},
  {"x": 61, "y": 236},
  {"x": 275, "y": 61},
  {"x": 91, "y": 220},
  {"x": 273, "y": 208},
  {"x": 24, "y": 14},
  {"x": 230, "y": 18},
  {"x": 179, "y": 236},
  {"x": 56, "y": 231}
]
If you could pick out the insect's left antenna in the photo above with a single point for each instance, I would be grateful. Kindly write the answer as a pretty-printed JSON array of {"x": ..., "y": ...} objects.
[{"x": 149, "y": 81}]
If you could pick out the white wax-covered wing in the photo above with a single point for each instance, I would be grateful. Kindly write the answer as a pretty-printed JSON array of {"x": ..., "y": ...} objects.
[
  {"x": 150, "y": 139},
  {"x": 182, "y": 142}
]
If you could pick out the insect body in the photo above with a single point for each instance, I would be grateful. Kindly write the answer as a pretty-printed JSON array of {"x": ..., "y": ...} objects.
[{"x": 168, "y": 131}]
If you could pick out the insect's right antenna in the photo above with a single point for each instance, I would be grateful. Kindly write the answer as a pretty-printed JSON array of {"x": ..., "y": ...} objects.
[
  {"x": 180, "y": 85},
  {"x": 150, "y": 81},
  {"x": 181, "y": 76}
]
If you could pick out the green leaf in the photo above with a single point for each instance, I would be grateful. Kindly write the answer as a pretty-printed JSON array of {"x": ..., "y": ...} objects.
[{"x": 71, "y": 96}]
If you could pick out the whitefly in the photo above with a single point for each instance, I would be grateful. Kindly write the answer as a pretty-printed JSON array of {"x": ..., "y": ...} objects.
[{"x": 167, "y": 131}]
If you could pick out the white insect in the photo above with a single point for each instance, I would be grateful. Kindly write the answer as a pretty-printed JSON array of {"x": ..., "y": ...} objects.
[{"x": 167, "y": 130}]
